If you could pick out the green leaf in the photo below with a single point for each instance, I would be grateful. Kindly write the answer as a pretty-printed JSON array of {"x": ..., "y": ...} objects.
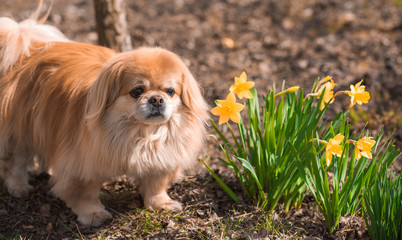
[{"x": 221, "y": 183}]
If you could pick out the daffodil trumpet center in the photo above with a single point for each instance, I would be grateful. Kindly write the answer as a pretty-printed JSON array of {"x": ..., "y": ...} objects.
[
  {"x": 242, "y": 87},
  {"x": 226, "y": 109}
]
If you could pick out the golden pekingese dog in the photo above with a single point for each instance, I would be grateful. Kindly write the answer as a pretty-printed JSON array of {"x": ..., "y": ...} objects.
[{"x": 91, "y": 114}]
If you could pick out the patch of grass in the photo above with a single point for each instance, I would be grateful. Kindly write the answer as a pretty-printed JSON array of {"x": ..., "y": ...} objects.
[
  {"x": 231, "y": 226},
  {"x": 248, "y": 225},
  {"x": 148, "y": 222},
  {"x": 149, "y": 225},
  {"x": 275, "y": 228},
  {"x": 15, "y": 236}
]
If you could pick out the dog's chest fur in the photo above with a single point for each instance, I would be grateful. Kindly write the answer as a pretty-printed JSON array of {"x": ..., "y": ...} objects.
[{"x": 161, "y": 147}]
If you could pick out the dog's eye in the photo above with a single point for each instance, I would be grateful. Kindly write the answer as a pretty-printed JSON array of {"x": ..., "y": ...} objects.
[
  {"x": 136, "y": 92},
  {"x": 170, "y": 91}
]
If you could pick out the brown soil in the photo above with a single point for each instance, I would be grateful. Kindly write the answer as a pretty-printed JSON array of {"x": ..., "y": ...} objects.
[{"x": 296, "y": 41}]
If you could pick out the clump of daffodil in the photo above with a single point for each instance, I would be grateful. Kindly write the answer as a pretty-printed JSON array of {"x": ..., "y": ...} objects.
[
  {"x": 358, "y": 94},
  {"x": 228, "y": 109},
  {"x": 242, "y": 86},
  {"x": 327, "y": 87},
  {"x": 363, "y": 147},
  {"x": 333, "y": 148}
]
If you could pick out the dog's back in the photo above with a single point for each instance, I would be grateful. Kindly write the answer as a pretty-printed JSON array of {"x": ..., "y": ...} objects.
[{"x": 17, "y": 39}]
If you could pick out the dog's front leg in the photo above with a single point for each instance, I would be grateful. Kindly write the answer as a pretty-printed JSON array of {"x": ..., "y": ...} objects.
[
  {"x": 83, "y": 199},
  {"x": 15, "y": 174},
  {"x": 154, "y": 191}
]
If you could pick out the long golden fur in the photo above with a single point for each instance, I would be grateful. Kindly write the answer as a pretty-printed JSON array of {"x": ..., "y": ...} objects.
[{"x": 91, "y": 114}]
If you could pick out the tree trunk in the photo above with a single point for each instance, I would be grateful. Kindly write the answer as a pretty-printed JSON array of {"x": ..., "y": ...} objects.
[{"x": 111, "y": 24}]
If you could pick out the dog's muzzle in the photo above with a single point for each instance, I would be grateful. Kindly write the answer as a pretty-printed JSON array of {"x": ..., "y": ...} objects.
[{"x": 156, "y": 107}]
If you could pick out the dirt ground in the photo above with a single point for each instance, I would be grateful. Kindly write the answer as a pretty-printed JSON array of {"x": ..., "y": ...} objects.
[{"x": 296, "y": 41}]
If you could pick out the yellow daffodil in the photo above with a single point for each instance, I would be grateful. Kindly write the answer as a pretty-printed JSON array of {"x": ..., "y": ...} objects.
[
  {"x": 328, "y": 94},
  {"x": 333, "y": 147},
  {"x": 358, "y": 94},
  {"x": 363, "y": 147},
  {"x": 228, "y": 109},
  {"x": 242, "y": 86}
]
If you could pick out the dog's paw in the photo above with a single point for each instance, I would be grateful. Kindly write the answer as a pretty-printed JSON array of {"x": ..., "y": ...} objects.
[
  {"x": 159, "y": 202},
  {"x": 19, "y": 190},
  {"x": 173, "y": 206},
  {"x": 94, "y": 218}
]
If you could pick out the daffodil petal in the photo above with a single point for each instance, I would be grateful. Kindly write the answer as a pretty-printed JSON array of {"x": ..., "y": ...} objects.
[
  {"x": 249, "y": 84},
  {"x": 328, "y": 157},
  {"x": 238, "y": 107},
  {"x": 337, "y": 150},
  {"x": 352, "y": 89},
  {"x": 370, "y": 141},
  {"x": 358, "y": 84},
  {"x": 216, "y": 111},
  {"x": 248, "y": 94},
  {"x": 365, "y": 154},
  {"x": 352, "y": 101},
  {"x": 357, "y": 154},
  {"x": 219, "y": 102},
  {"x": 322, "y": 105},
  {"x": 243, "y": 77},
  {"x": 327, "y": 78},
  {"x": 223, "y": 119},
  {"x": 338, "y": 138},
  {"x": 235, "y": 117},
  {"x": 240, "y": 95},
  {"x": 231, "y": 98},
  {"x": 232, "y": 88}
]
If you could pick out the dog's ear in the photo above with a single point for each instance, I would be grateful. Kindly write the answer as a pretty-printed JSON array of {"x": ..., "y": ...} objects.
[
  {"x": 103, "y": 92},
  {"x": 191, "y": 95}
]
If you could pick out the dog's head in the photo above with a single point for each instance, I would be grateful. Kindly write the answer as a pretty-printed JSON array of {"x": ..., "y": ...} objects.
[{"x": 147, "y": 85}]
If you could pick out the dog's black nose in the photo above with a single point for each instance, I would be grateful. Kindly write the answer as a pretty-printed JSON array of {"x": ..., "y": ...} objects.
[{"x": 156, "y": 100}]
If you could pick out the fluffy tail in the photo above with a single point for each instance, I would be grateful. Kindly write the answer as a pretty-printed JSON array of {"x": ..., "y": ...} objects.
[{"x": 16, "y": 39}]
